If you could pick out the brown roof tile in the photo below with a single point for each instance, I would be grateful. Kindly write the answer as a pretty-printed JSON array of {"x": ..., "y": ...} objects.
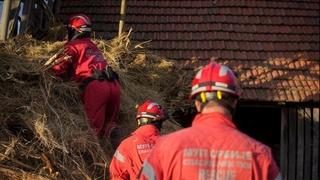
[{"x": 260, "y": 39}]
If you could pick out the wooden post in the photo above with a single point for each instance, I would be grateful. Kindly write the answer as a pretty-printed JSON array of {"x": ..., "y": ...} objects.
[
  {"x": 300, "y": 143},
  {"x": 284, "y": 143},
  {"x": 56, "y": 6},
  {"x": 122, "y": 17},
  {"x": 307, "y": 152},
  {"x": 292, "y": 147},
  {"x": 13, "y": 18},
  {"x": 26, "y": 13},
  {"x": 315, "y": 152},
  {"x": 50, "y": 4},
  {"x": 5, "y": 19}
]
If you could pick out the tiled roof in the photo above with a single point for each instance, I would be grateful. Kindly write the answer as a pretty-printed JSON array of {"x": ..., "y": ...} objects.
[
  {"x": 259, "y": 39},
  {"x": 277, "y": 79}
]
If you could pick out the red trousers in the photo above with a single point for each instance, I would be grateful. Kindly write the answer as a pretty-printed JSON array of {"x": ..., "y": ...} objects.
[{"x": 101, "y": 101}]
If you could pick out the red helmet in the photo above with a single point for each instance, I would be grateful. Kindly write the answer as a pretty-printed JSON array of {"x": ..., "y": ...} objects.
[
  {"x": 150, "y": 110},
  {"x": 80, "y": 23},
  {"x": 215, "y": 77}
]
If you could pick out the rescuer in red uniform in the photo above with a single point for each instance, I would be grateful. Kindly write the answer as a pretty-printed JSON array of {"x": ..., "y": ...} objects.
[
  {"x": 82, "y": 62},
  {"x": 212, "y": 148},
  {"x": 132, "y": 151}
]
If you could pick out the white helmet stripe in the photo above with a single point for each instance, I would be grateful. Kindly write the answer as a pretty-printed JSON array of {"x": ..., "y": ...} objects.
[
  {"x": 85, "y": 29},
  {"x": 223, "y": 71},
  {"x": 146, "y": 116},
  {"x": 198, "y": 76},
  {"x": 213, "y": 88},
  {"x": 221, "y": 84},
  {"x": 150, "y": 106}
]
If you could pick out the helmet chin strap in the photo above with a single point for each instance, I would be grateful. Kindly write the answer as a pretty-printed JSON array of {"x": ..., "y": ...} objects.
[
  {"x": 145, "y": 121},
  {"x": 74, "y": 34},
  {"x": 203, "y": 101}
]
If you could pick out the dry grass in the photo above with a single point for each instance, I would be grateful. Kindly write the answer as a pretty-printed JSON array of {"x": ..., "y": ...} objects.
[{"x": 44, "y": 133}]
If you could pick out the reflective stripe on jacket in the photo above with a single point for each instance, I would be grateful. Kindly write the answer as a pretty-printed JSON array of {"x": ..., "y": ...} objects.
[
  {"x": 132, "y": 151},
  {"x": 211, "y": 149}
]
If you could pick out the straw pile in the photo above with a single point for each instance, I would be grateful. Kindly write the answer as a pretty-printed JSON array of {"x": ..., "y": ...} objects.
[
  {"x": 43, "y": 130},
  {"x": 44, "y": 133},
  {"x": 144, "y": 76}
]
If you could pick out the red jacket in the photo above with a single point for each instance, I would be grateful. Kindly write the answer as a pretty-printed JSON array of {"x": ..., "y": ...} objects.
[
  {"x": 85, "y": 57},
  {"x": 132, "y": 151},
  {"x": 211, "y": 149},
  {"x": 101, "y": 99}
]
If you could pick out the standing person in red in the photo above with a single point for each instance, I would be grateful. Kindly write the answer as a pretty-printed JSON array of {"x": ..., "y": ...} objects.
[
  {"x": 212, "y": 148},
  {"x": 82, "y": 62},
  {"x": 132, "y": 151}
]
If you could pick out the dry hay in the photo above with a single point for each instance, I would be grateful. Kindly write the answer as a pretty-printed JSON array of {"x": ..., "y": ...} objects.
[
  {"x": 143, "y": 76},
  {"x": 44, "y": 133}
]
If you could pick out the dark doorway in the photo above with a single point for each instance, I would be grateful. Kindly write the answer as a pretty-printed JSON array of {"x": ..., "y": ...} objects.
[{"x": 262, "y": 124}]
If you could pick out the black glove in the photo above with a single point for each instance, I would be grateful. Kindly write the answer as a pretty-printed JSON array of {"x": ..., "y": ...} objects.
[{"x": 110, "y": 74}]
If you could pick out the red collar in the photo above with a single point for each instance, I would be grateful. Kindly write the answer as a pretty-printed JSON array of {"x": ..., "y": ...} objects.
[
  {"x": 214, "y": 118},
  {"x": 147, "y": 130}
]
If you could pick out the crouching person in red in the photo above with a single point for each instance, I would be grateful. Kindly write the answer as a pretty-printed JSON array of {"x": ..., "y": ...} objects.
[
  {"x": 212, "y": 148},
  {"x": 82, "y": 62},
  {"x": 132, "y": 151}
]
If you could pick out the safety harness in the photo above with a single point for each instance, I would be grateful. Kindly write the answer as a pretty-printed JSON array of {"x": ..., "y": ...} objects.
[{"x": 101, "y": 75}]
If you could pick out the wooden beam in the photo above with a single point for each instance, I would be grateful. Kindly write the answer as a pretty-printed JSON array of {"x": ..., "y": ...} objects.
[
  {"x": 292, "y": 147},
  {"x": 56, "y": 6},
  {"x": 5, "y": 19},
  {"x": 308, "y": 143},
  {"x": 300, "y": 143},
  {"x": 50, "y": 4},
  {"x": 13, "y": 18},
  {"x": 25, "y": 18},
  {"x": 315, "y": 150},
  {"x": 284, "y": 143},
  {"x": 122, "y": 16}
]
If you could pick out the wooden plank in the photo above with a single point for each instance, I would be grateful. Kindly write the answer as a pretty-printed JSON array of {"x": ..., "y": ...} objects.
[
  {"x": 300, "y": 143},
  {"x": 307, "y": 144},
  {"x": 50, "y": 4},
  {"x": 284, "y": 143},
  {"x": 56, "y": 6},
  {"x": 13, "y": 21},
  {"x": 122, "y": 17},
  {"x": 315, "y": 151},
  {"x": 25, "y": 18},
  {"x": 292, "y": 124},
  {"x": 5, "y": 19}
]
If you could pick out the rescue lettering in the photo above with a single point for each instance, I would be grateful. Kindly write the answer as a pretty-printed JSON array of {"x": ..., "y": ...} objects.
[
  {"x": 217, "y": 164},
  {"x": 217, "y": 175},
  {"x": 144, "y": 148},
  {"x": 193, "y": 152},
  {"x": 227, "y": 154},
  {"x": 214, "y": 163}
]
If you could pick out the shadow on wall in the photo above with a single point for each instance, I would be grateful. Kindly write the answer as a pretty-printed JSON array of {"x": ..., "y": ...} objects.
[{"x": 262, "y": 124}]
